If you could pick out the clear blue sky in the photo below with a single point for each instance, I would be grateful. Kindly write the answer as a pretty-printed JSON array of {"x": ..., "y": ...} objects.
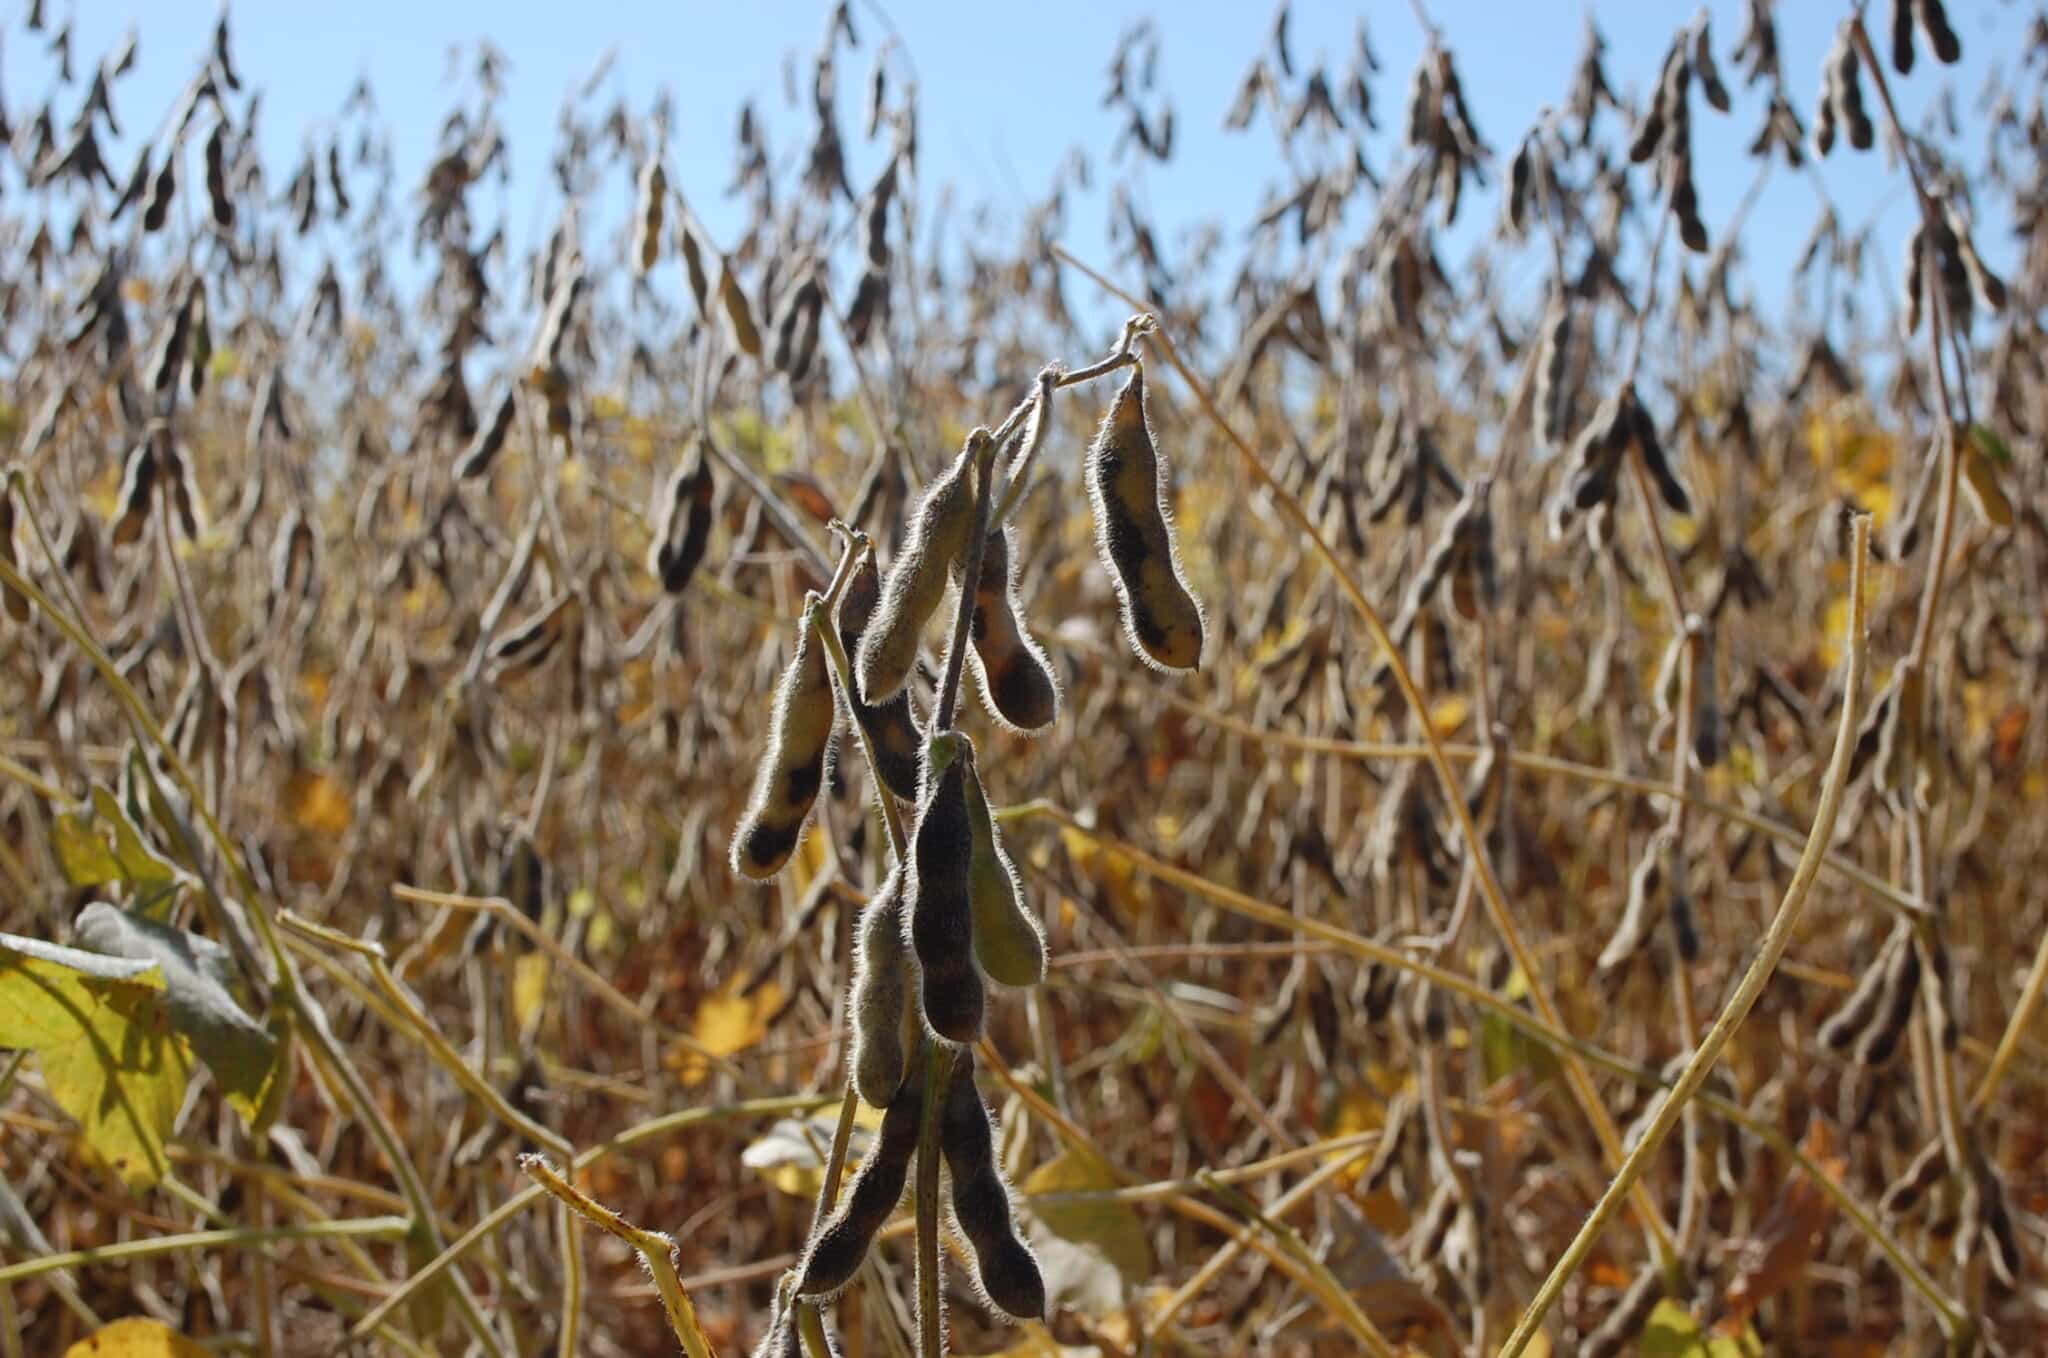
[{"x": 1003, "y": 98}]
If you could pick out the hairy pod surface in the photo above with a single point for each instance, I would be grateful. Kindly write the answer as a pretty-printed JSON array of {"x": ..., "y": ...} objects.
[
  {"x": 838, "y": 1246},
  {"x": 882, "y": 967},
  {"x": 1016, "y": 680},
  {"x": 1128, "y": 488},
  {"x": 891, "y": 729},
  {"x": 939, "y": 528},
  {"x": 940, "y": 900},
  {"x": 1003, "y": 1264},
  {"x": 792, "y": 766},
  {"x": 1008, "y": 943}
]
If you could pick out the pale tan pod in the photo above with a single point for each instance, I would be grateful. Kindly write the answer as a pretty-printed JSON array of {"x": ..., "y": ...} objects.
[{"x": 1127, "y": 486}]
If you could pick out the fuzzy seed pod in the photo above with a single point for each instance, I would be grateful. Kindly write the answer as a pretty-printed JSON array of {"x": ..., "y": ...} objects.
[
  {"x": 939, "y": 528},
  {"x": 1685, "y": 206},
  {"x": 941, "y": 894},
  {"x": 892, "y": 733},
  {"x": 138, "y": 480},
  {"x": 647, "y": 219},
  {"x": 1654, "y": 875},
  {"x": 739, "y": 315},
  {"x": 18, "y": 606},
  {"x": 1824, "y": 111},
  {"x": 884, "y": 1021},
  {"x": 1017, "y": 684},
  {"x": 1004, "y": 1266},
  {"x": 1134, "y": 533},
  {"x": 1878, "y": 1042},
  {"x": 841, "y": 1243},
  {"x": 1709, "y": 74},
  {"x": 1926, "y": 1170},
  {"x": 683, "y": 524},
  {"x": 1845, "y": 94},
  {"x": 792, "y": 766},
  {"x": 489, "y": 440},
  {"x": 1842, "y": 1027},
  {"x": 1987, "y": 286},
  {"x": 1942, "y": 38},
  {"x": 1009, "y": 945},
  {"x": 1902, "y": 36},
  {"x": 1643, "y": 430},
  {"x": 796, "y": 327},
  {"x": 217, "y": 176},
  {"x": 1551, "y": 361},
  {"x": 163, "y": 187}
]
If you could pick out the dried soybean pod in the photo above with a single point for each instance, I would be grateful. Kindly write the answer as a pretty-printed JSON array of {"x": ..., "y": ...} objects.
[
  {"x": 841, "y": 1243},
  {"x": 1550, "y": 373},
  {"x": 1904, "y": 1193},
  {"x": 1915, "y": 284},
  {"x": 793, "y": 765},
  {"x": 156, "y": 209},
  {"x": 1846, "y": 95},
  {"x": 138, "y": 479},
  {"x": 916, "y": 584},
  {"x": 1710, "y": 75},
  {"x": 683, "y": 523},
  {"x": 941, "y": 900},
  {"x": 1902, "y": 36},
  {"x": 1017, "y": 684},
  {"x": 1003, "y": 1264},
  {"x": 1845, "y": 1023},
  {"x": 1942, "y": 38},
  {"x": 893, "y": 737},
  {"x": 1008, "y": 943},
  {"x": 217, "y": 175},
  {"x": 1653, "y": 875},
  {"x": 1644, "y": 430},
  {"x": 882, "y": 966},
  {"x": 1878, "y": 1042},
  {"x": 18, "y": 607},
  {"x": 1127, "y": 486},
  {"x": 647, "y": 220},
  {"x": 489, "y": 440}
]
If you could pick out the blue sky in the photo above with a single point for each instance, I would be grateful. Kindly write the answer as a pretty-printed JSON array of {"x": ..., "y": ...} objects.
[{"x": 1003, "y": 98}]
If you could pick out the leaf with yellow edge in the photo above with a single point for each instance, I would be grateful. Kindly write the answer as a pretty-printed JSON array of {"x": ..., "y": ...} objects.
[
  {"x": 135, "y": 1338},
  {"x": 727, "y": 1022},
  {"x": 1108, "y": 1226},
  {"x": 101, "y": 1032}
]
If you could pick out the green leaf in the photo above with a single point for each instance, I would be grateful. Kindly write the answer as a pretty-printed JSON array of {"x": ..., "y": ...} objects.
[
  {"x": 1108, "y": 1226},
  {"x": 197, "y": 974},
  {"x": 101, "y": 1031}
]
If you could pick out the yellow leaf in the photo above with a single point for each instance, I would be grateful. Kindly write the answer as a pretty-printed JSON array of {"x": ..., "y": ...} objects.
[
  {"x": 727, "y": 1022},
  {"x": 529, "y": 988},
  {"x": 1448, "y": 714},
  {"x": 1104, "y": 1224},
  {"x": 1980, "y": 478},
  {"x": 135, "y": 1338},
  {"x": 316, "y": 802}
]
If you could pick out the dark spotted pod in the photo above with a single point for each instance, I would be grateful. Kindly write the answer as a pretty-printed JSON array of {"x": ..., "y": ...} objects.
[
  {"x": 1127, "y": 485},
  {"x": 892, "y": 734},
  {"x": 792, "y": 766},
  {"x": 1016, "y": 680},
  {"x": 683, "y": 522},
  {"x": 489, "y": 440},
  {"x": 1004, "y": 1265},
  {"x": 941, "y": 897},
  {"x": 841, "y": 1243}
]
